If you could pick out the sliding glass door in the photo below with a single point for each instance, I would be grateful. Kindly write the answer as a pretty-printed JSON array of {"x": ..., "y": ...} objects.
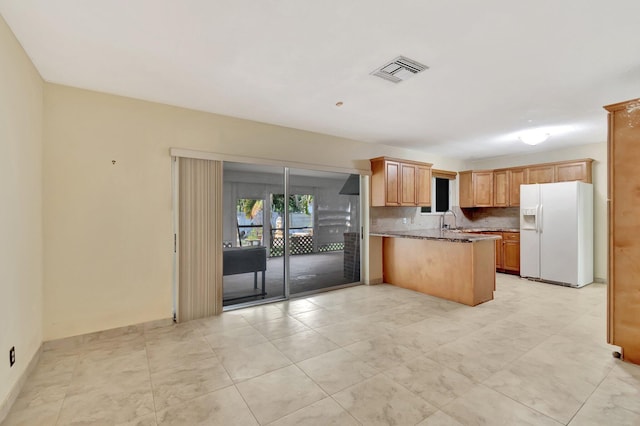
[
  {"x": 253, "y": 261},
  {"x": 296, "y": 229},
  {"x": 324, "y": 230}
]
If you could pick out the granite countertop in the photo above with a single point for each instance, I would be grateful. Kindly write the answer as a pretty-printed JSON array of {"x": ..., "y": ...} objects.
[
  {"x": 486, "y": 229},
  {"x": 454, "y": 236}
]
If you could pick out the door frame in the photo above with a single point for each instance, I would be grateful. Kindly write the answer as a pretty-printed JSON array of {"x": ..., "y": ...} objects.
[{"x": 286, "y": 165}]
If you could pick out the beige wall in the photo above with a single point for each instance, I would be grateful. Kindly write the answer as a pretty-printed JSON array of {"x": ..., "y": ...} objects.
[
  {"x": 108, "y": 233},
  {"x": 596, "y": 151},
  {"x": 20, "y": 210}
]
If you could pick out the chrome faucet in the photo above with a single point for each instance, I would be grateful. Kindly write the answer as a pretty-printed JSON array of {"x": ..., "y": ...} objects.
[{"x": 455, "y": 219}]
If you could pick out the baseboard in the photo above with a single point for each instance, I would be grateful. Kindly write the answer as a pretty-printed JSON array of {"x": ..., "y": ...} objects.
[
  {"x": 6, "y": 405},
  {"x": 73, "y": 342},
  {"x": 600, "y": 280},
  {"x": 375, "y": 281}
]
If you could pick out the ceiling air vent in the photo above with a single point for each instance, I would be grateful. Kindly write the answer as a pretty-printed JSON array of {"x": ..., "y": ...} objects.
[{"x": 399, "y": 69}]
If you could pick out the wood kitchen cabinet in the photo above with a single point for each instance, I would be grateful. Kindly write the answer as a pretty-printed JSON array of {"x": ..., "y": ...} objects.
[
  {"x": 423, "y": 185},
  {"x": 500, "y": 188},
  {"x": 499, "y": 251},
  {"x": 516, "y": 177},
  {"x": 511, "y": 252},
  {"x": 476, "y": 188},
  {"x": 507, "y": 251},
  {"x": 465, "y": 189},
  {"x": 483, "y": 188},
  {"x": 544, "y": 173},
  {"x": 623, "y": 313},
  {"x": 575, "y": 171},
  {"x": 400, "y": 183},
  {"x": 506, "y": 187},
  {"x": 407, "y": 184}
]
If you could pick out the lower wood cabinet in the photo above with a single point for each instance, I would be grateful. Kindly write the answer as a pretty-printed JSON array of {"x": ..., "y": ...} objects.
[
  {"x": 499, "y": 257},
  {"x": 507, "y": 251},
  {"x": 511, "y": 252}
]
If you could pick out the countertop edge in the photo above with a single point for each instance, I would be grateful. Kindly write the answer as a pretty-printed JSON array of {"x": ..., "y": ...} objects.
[{"x": 436, "y": 234}]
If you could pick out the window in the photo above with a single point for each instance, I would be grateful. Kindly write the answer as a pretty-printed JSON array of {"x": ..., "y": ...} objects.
[
  {"x": 249, "y": 224},
  {"x": 440, "y": 196}
]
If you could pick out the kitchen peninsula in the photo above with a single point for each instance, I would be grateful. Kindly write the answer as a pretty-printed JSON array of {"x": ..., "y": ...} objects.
[{"x": 443, "y": 263}]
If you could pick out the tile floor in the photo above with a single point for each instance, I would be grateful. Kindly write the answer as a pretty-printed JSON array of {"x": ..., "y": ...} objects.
[{"x": 377, "y": 355}]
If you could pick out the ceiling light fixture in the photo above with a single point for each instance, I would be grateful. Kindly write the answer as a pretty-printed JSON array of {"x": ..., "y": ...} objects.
[
  {"x": 534, "y": 137},
  {"x": 339, "y": 104}
]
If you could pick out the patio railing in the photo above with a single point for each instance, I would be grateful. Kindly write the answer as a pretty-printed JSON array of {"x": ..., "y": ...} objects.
[{"x": 301, "y": 241}]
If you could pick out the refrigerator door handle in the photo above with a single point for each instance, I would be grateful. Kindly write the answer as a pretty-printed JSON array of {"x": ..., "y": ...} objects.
[{"x": 539, "y": 219}]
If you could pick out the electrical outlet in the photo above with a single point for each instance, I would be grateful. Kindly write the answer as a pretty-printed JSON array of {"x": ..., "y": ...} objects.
[
  {"x": 404, "y": 220},
  {"x": 12, "y": 356}
]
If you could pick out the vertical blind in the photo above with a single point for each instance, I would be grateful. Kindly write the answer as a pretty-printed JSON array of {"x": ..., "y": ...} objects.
[{"x": 199, "y": 238}]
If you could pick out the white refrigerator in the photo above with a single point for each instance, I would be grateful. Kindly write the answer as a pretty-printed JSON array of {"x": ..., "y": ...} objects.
[{"x": 556, "y": 232}]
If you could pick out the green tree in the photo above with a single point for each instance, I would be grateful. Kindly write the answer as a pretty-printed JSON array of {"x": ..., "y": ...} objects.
[
  {"x": 297, "y": 203},
  {"x": 250, "y": 207}
]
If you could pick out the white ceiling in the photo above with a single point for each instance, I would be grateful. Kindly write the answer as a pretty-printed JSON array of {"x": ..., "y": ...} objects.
[{"x": 496, "y": 66}]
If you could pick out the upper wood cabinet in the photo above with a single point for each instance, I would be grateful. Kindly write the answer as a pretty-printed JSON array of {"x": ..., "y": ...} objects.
[
  {"x": 506, "y": 187},
  {"x": 423, "y": 185},
  {"x": 400, "y": 183},
  {"x": 578, "y": 170},
  {"x": 623, "y": 316},
  {"x": 516, "y": 177},
  {"x": 385, "y": 178},
  {"x": 407, "y": 184},
  {"x": 476, "y": 188},
  {"x": 483, "y": 188},
  {"x": 501, "y": 188},
  {"x": 544, "y": 173},
  {"x": 567, "y": 171},
  {"x": 465, "y": 184}
]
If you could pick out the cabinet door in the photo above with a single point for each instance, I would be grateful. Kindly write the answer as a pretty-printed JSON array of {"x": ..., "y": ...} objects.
[
  {"x": 516, "y": 178},
  {"x": 465, "y": 188},
  {"x": 392, "y": 183},
  {"x": 423, "y": 186},
  {"x": 579, "y": 170},
  {"x": 483, "y": 189},
  {"x": 407, "y": 184},
  {"x": 511, "y": 251},
  {"x": 500, "y": 188},
  {"x": 541, "y": 174},
  {"x": 499, "y": 256}
]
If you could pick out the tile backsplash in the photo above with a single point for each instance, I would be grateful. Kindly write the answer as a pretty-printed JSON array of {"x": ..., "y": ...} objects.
[
  {"x": 408, "y": 218},
  {"x": 401, "y": 219},
  {"x": 489, "y": 217}
]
